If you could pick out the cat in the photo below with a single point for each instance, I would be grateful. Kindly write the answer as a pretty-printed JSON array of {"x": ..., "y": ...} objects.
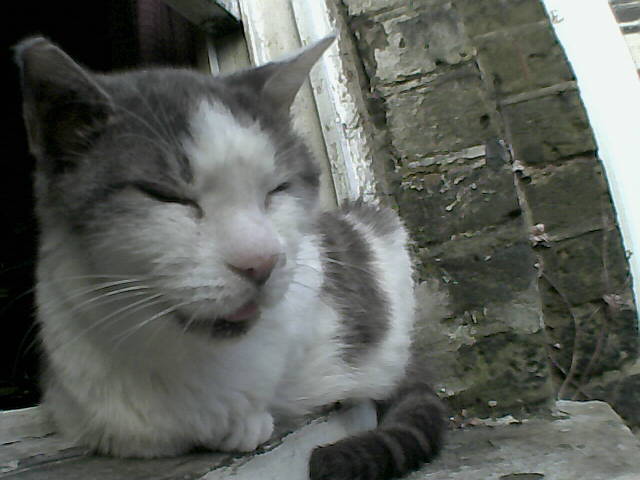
[{"x": 190, "y": 292}]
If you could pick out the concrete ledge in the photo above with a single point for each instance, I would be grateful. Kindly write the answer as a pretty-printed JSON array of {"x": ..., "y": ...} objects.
[{"x": 581, "y": 440}]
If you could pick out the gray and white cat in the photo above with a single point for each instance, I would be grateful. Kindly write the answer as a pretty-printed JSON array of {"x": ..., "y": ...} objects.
[{"x": 189, "y": 290}]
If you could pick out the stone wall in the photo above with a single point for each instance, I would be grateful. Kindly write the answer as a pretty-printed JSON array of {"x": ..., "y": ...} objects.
[{"x": 498, "y": 180}]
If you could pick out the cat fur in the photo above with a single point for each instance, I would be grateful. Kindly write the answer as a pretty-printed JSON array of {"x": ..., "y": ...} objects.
[{"x": 190, "y": 292}]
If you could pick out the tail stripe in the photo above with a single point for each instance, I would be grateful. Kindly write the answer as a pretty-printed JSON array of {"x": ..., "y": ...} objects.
[
  {"x": 392, "y": 440},
  {"x": 421, "y": 440},
  {"x": 414, "y": 446},
  {"x": 410, "y": 434},
  {"x": 368, "y": 455}
]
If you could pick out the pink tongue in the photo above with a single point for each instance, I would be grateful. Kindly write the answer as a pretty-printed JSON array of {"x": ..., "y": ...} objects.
[{"x": 246, "y": 312}]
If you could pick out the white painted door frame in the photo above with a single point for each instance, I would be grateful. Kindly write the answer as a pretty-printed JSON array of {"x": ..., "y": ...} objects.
[
  {"x": 326, "y": 112},
  {"x": 271, "y": 33}
]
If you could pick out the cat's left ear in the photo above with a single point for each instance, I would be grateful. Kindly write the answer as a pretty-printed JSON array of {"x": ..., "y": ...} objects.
[
  {"x": 279, "y": 82},
  {"x": 64, "y": 107}
]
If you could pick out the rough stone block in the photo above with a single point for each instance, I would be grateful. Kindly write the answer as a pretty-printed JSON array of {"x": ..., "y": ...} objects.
[
  {"x": 587, "y": 340},
  {"x": 627, "y": 399},
  {"x": 479, "y": 272},
  {"x": 549, "y": 128},
  {"x": 447, "y": 114},
  {"x": 569, "y": 199},
  {"x": 464, "y": 198},
  {"x": 369, "y": 7},
  {"x": 483, "y": 16},
  {"x": 622, "y": 391},
  {"x": 586, "y": 268},
  {"x": 504, "y": 372},
  {"x": 479, "y": 323},
  {"x": 509, "y": 372},
  {"x": 412, "y": 42},
  {"x": 527, "y": 59}
]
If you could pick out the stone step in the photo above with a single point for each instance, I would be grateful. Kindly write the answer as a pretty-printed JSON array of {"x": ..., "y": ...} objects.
[{"x": 578, "y": 441}]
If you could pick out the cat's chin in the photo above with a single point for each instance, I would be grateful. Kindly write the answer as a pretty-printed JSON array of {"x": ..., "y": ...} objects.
[{"x": 235, "y": 324}]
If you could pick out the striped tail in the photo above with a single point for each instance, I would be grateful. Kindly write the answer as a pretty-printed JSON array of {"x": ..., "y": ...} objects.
[{"x": 411, "y": 433}]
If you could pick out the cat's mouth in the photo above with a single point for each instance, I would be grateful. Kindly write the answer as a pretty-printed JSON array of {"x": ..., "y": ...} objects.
[{"x": 232, "y": 325}]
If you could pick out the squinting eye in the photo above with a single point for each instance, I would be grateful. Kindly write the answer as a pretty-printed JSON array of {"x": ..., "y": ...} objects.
[
  {"x": 164, "y": 195},
  {"x": 280, "y": 188}
]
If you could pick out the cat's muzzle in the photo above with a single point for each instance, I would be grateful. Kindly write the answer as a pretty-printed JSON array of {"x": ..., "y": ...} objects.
[{"x": 235, "y": 324}]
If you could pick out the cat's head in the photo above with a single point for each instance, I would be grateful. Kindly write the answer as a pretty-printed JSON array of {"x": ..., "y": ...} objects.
[{"x": 195, "y": 184}]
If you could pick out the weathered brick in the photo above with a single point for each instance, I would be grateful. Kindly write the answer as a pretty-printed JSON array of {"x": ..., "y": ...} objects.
[
  {"x": 442, "y": 101},
  {"x": 528, "y": 59},
  {"x": 483, "y": 16},
  {"x": 597, "y": 336},
  {"x": 369, "y": 7},
  {"x": 622, "y": 391},
  {"x": 412, "y": 42},
  {"x": 549, "y": 128},
  {"x": 480, "y": 272},
  {"x": 588, "y": 267},
  {"x": 509, "y": 372},
  {"x": 569, "y": 199},
  {"x": 464, "y": 198},
  {"x": 446, "y": 114},
  {"x": 479, "y": 325}
]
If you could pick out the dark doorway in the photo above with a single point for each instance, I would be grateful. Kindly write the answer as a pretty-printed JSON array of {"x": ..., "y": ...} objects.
[{"x": 102, "y": 35}]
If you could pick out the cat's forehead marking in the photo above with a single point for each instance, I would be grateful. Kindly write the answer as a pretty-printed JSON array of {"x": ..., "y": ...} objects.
[{"x": 219, "y": 141}]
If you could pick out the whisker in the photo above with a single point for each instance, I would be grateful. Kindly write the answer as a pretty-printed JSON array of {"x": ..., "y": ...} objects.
[
  {"x": 22, "y": 350},
  {"x": 143, "y": 121},
  {"x": 161, "y": 314},
  {"x": 56, "y": 280},
  {"x": 317, "y": 270},
  {"x": 314, "y": 290},
  {"x": 346, "y": 265},
  {"x": 132, "y": 307},
  {"x": 168, "y": 133},
  {"x": 81, "y": 277},
  {"x": 108, "y": 295},
  {"x": 192, "y": 319},
  {"x": 14, "y": 300},
  {"x": 144, "y": 303},
  {"x": 27, "y": 264}
]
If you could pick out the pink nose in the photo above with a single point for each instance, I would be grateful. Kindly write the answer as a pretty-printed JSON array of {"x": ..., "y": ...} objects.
[{"x": 256, "y": 268}]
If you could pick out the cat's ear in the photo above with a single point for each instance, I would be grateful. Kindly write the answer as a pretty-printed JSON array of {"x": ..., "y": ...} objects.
[
  {"x": 278, "y": 82},
  {"x": 64, "y": 107}
]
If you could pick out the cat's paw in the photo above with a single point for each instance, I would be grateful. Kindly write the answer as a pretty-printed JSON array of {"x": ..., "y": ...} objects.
[{"x": 248, "y": 432}]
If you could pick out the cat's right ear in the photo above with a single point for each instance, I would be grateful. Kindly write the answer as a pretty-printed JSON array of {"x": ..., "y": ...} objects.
[
  {"x": 64, "y": 108},
  {"x": 277, "y": 83}
]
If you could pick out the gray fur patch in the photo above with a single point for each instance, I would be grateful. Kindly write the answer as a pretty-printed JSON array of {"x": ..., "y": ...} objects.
[
  {"x": 351, "y": 285},
  {"x": 143, "y": 140},
  {"x": 382, "y": 221}
]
